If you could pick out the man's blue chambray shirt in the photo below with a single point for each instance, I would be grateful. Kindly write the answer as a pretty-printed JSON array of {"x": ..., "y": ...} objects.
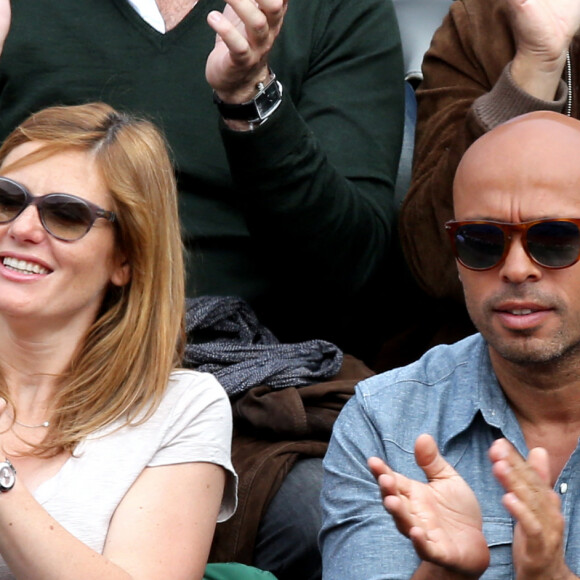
[{"x": 453, "y": 394}]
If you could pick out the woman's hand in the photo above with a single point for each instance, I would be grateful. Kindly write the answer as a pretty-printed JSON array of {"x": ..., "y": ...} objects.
[{"x": 442, "y": 517}]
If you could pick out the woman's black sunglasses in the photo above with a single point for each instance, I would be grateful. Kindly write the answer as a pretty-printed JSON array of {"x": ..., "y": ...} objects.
[
  {"x": 482, "y": 244},
  {"x": 65, "y": 217}
]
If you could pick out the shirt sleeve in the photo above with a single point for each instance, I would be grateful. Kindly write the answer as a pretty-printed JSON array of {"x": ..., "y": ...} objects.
[
  {"x": 199, "y": 429},
  {"x": 322, "y": 169},
  {"x": 358, "y": 537}
]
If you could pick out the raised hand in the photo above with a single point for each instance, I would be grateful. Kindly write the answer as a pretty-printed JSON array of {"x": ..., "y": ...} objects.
[
  {"x": 5, "y": 15},
  {"x": 442, "y": 517},
  {"x": 543, "y": 30},
  {"x": 538, "y": 550},
  {"x": 245, "y": 34}
]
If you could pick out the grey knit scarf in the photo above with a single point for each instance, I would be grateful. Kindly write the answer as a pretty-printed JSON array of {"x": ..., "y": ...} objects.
[{"x": 225, "y": 338}]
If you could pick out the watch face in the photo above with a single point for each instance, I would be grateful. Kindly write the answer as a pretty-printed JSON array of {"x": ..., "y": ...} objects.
[
  {"x": 7, "y": 476},
  {"x": 269, "y": 99}
]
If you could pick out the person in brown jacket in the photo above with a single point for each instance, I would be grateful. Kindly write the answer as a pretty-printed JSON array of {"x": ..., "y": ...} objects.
[{"x": 490, "y": 61}]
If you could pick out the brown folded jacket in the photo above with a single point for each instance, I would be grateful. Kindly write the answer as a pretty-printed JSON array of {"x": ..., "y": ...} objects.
[{"x": 273, "y": 428}]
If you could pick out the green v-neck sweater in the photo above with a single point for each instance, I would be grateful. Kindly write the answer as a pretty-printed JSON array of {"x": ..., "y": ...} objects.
[{"x": 295, "y": 217}]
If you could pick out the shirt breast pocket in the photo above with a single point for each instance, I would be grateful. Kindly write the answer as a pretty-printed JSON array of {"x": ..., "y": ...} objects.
[{"x": 499, "y": 535}]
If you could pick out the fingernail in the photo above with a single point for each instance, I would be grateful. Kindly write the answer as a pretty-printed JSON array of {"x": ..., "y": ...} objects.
[
  {"x": 214, "y": 16},
  {"x": 501, "y": 449}
]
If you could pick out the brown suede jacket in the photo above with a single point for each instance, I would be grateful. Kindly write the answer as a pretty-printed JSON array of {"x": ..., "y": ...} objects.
[
  {"x": 272, "y": 429},
  {"x": 467, "y": 90}
]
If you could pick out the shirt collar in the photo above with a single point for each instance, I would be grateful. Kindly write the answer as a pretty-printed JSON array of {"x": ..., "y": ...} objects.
[
  {"x": 479, "y": 385},
  {"x": 149, "y": 11}
]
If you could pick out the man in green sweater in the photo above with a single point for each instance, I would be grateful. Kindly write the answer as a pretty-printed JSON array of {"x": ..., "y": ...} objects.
[
  {"x": 295, "y": 216},
  {"x": 295, "y": 213}
]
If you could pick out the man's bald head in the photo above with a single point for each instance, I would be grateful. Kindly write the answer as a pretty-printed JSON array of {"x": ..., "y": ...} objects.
[{"x": 529, "y": 151}]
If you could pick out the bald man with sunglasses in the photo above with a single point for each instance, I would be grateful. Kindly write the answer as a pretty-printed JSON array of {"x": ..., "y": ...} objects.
[{"x": 466, "y": 464}]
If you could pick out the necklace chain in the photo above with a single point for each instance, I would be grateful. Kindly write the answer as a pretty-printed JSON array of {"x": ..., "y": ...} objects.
[
  {"x": 569, "y": 83},
  {"x": 44, "y": 424}
]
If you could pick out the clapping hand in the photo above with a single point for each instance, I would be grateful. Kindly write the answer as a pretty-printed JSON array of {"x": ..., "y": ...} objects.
[
  {"x": 5, "y": 15},
  {"x": 538, "y": 547},
  {"x": 441, "y": 517},
  {"x": 543, "y": 30},
  {"x": 245, "y": 34}
]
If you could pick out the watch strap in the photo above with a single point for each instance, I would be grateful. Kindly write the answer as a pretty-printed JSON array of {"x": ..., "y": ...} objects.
[{"x": 256, "y": 110}]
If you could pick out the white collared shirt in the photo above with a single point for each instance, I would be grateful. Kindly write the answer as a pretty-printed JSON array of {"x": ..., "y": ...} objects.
[{"x": 149, "y": 11}]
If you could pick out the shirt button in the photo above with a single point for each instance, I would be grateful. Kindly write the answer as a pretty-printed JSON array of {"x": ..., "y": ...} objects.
[{"x": 563, "y": 488}]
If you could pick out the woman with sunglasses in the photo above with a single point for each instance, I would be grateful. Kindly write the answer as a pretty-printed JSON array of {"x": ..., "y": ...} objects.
[{"x": 113, "y": 464}]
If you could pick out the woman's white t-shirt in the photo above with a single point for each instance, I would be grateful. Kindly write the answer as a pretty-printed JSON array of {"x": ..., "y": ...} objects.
[{"x": 193, "y": 423}]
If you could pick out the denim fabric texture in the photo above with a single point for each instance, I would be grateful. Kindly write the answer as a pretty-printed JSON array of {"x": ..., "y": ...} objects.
[
  {"x": 287, "y": 539},
  {"x": 453, "y": 394}
]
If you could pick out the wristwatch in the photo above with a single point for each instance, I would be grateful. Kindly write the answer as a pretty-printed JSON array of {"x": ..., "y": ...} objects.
[
  {"x": 7, "y": 476},
  {"x": 258, "y": 109}
]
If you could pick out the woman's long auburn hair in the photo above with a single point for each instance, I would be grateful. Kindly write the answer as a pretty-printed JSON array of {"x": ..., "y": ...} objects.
[{"x": 121, "y": 369}]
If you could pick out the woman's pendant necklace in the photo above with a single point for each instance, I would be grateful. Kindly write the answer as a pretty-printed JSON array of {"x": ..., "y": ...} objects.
[{"x": 45, "y": 424}]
